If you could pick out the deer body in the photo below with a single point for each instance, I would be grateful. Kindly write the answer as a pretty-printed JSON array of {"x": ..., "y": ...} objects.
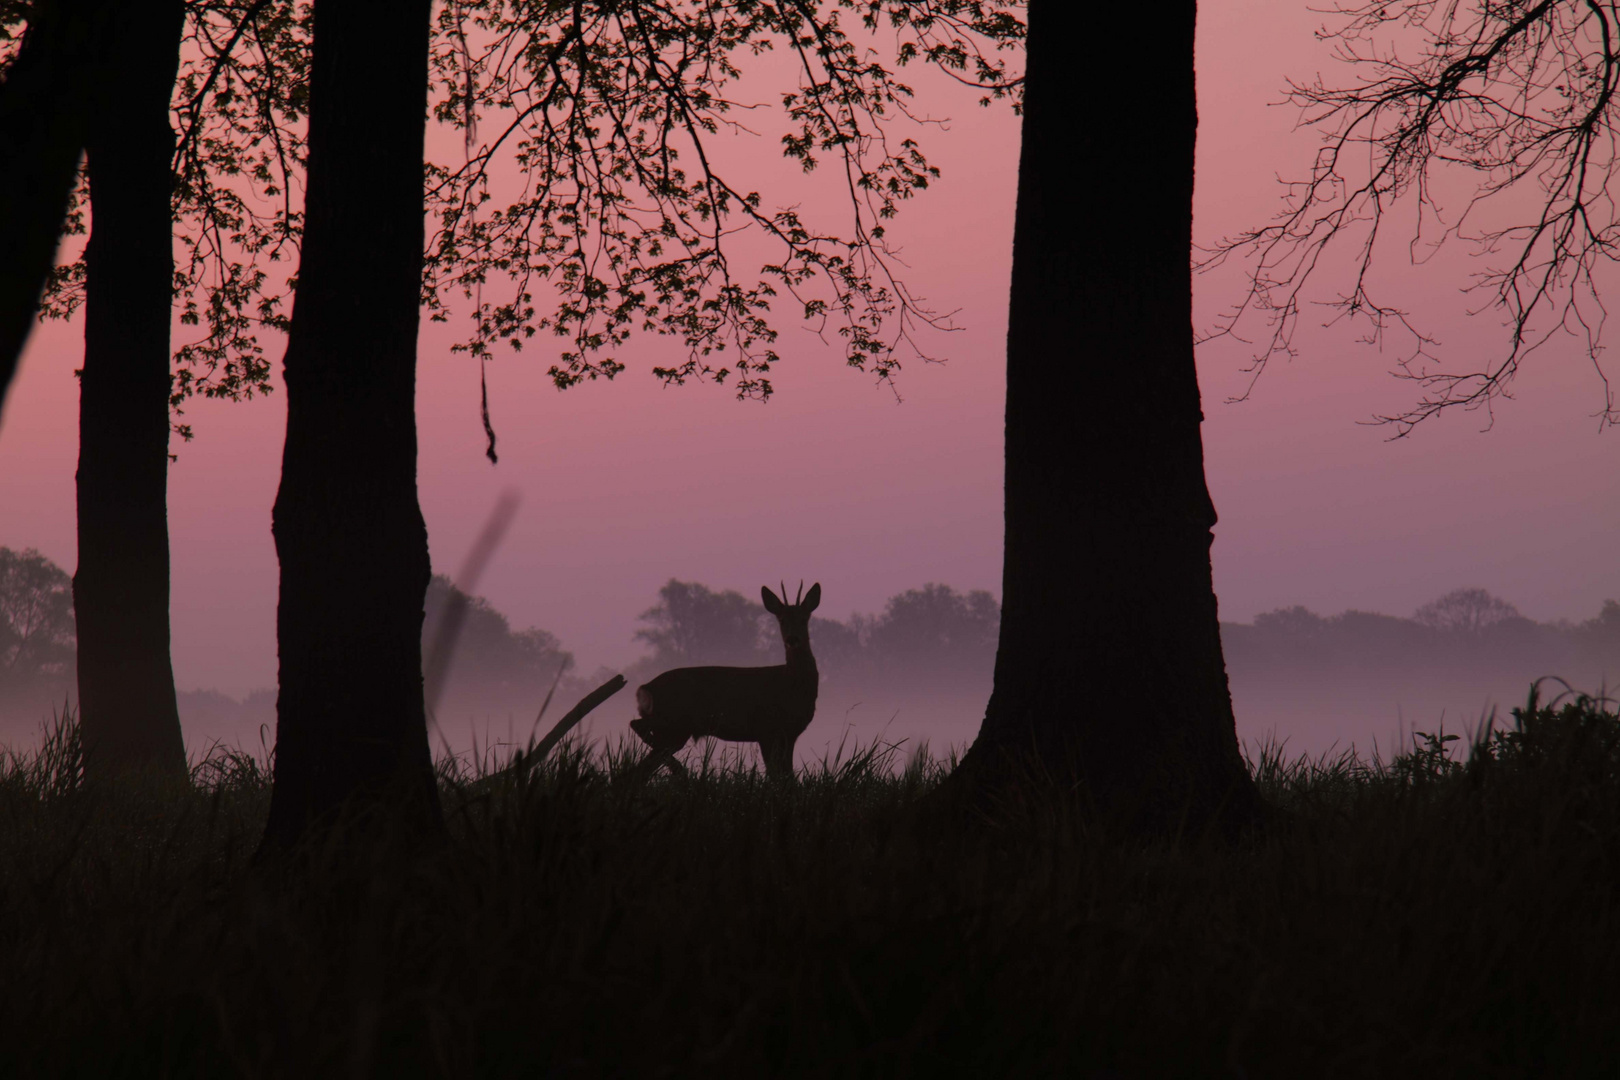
[{"x": 770, "y": 706}]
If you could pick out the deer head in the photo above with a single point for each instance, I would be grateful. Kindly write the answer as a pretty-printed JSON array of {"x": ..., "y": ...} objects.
[{"x": 794, "y": 619}]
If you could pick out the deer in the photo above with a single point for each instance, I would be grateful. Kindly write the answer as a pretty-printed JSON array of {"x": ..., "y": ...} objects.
[{"x": 770, "y": 706}]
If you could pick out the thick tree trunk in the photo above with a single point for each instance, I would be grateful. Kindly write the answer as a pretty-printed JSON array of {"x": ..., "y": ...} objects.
[
  {"x": 1109, "y": 676},
  {"x": 348, "y": 528},
  {"x": 121, "y": 589},
  {"x": 44, "y": 94}
]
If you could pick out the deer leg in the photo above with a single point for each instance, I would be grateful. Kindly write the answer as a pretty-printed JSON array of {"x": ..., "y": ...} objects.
[
  {"x": 778, "y": 755},
  {"x": 655, "y": 760},
  {"x": 668, "y": 759}
]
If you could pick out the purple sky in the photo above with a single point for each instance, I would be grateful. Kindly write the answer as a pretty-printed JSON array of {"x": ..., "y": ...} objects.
[{"x": 626, "y": 484}]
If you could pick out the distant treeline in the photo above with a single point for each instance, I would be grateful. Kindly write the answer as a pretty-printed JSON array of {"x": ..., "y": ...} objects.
[
  {"x": 930, "y": 641},
  {"x": 933, "y": 636},
  {"x": 1464, "y": 631},
  {"x": 933, "y": 632}
]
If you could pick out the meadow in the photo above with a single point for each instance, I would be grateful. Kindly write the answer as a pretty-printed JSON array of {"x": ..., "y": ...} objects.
[{"x": 1442, "y": 913}]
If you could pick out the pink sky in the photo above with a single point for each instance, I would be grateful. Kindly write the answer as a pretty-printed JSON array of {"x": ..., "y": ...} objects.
[{"x": 627, "y": 484}]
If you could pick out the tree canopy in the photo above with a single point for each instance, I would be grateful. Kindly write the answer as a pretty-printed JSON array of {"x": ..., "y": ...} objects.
[
  {"x": 622, "y": 216},
  {"x": 610, "y": 113},
  {"x": 239, "y": 108}
]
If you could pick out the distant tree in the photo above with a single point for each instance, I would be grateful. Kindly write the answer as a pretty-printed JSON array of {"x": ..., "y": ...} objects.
[
  {"x": 1354, "y": 639},
  {"x": 692, "y": 624},
  {"x": 1466, "y": 611},
  {"x": 1291, "y": 635},
  {"x": 1466, "y": 629},
  {"x": 936, "y": 632},
  {"x": 1294, "y": 623},
  {"x": 1109, "y": 676},
  {"x": 36, "y": 619},
  {"x": 1371, "y": 640},
  {"x": 1597, "y": 642},
  {"x": 1491, "y": 124},
  {"x": 840, "y": 647},
  {"x": 1606, "y": 625},
  {"x": 491, "y": 660}
]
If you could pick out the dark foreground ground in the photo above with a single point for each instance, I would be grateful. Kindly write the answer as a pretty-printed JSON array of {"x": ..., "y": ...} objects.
[{"x": 1414, "y": 918}]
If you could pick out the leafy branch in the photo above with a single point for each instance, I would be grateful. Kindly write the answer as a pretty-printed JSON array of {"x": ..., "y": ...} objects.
[
  {"x": 240, "y": 100},
  {"x": 610, "y": 111}
]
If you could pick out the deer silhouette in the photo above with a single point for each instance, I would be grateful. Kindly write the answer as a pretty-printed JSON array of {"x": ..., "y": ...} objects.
[{"x": 770, "y": 706}]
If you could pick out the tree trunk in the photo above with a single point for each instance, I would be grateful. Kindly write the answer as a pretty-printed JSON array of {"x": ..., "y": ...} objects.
[
  {"x": 121, "y": 589},
  {"x": 1109, "y": 676},
  {"x": 44, "y": 94},
  {"x": 348, "y": 527}
]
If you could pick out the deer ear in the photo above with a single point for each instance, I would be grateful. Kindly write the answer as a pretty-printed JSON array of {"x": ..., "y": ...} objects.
[
  {"x": 772, "y": 604},
  {"x": 812, "y": 599}
]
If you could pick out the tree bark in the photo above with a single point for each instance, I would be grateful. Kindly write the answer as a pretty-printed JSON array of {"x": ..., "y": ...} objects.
[
  {"x": 348, "y": 528},
  {"x": 1109, "y": 677},
  {"x": 44, "y": 99},
  {"x": 121, "y": 589}
]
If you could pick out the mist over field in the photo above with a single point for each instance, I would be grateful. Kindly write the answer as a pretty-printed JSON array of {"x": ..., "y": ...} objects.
[{"x": 919, "y": 670}]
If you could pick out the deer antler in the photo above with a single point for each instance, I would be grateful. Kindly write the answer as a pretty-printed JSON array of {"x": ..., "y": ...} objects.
[{"x": 796, "y": 599}]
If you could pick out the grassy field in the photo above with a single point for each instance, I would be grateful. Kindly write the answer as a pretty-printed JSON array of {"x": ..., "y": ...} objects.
[{"x": 1412, "y": 918}]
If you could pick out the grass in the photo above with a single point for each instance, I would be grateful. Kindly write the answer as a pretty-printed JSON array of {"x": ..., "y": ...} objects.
[{"x": 1420, "y": 917}]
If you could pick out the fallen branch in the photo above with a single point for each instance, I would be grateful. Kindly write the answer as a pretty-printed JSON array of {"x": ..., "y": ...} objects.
[{"x": 590, "y": 701}]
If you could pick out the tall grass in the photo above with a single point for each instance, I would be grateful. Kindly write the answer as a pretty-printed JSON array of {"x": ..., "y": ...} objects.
[{"x": 1432, "y": 915}]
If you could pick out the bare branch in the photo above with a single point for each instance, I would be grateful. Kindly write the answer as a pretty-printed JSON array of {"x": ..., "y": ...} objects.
[{"x": 1516, "y": 95}]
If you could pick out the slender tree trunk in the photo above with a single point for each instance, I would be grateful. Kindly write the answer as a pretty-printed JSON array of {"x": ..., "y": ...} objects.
[
  {"x": 121, "y": 589},
  {"x": 44, "y": 94},
  {"x": 1109, "y": 675},
  {"x": 348, "y": 528}
]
